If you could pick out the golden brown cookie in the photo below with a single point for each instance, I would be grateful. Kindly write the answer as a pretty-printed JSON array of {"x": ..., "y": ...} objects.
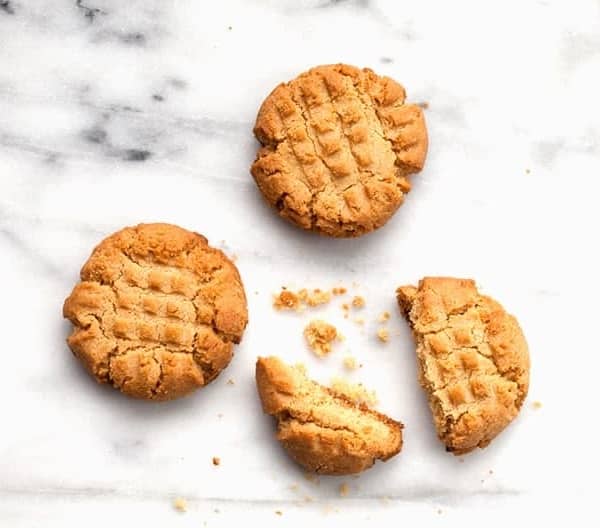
[
  {"x": 337, "y": 146},
  {"x": 322, "y": 430},
  {"x": 157, "y": 311},
  {"x": 473, "y": 360}
]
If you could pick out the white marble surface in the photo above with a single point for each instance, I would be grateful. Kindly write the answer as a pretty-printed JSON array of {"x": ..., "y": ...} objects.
[{"x": 113, "y": 113}]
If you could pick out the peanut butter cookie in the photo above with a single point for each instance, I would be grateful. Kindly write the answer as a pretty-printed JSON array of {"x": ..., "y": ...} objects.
[
  {"x": 322, "y": 430},
  {"x": 337, "y": 146},
  {"x": 473, "y": 360},
  {"x": 157, "y": 312}
]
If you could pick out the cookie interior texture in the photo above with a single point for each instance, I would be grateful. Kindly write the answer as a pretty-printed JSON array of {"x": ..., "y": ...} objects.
[
  {"x": 473, "y": 359},
  {"x": 338, "y": 144},
  {"x": 157, "y": 311},
  {"x": 321, "y": 430}
]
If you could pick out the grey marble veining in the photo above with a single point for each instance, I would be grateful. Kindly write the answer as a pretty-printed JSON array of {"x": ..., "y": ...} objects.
[{"x": 114, "y": 113}]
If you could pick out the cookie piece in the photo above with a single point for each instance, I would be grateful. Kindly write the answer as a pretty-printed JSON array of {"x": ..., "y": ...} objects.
[
  {"x": 338, "y": 144},
  {"x": 322, "y": 430},
  {"x": 157, "y": 312},
  {"x": 473, "y": 360}
]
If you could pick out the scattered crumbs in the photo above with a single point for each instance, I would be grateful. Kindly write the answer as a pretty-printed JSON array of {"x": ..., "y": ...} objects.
[
  {"x": 385, "y": 316},
  {"x": 294, "y": 487},
  {"x": 230, "y": 381},
  {"x": 341, "y": 337},
  {"x": 383, "y": 334},
  {"x": 527, "y": 171},
  {"x": 278, "y": 512},
  {"x": 315, "y": 298},
  {"x": 286, "y": 300},
  {"x": 289, "y": 300},
  {"x": 537, "y": 404},
  {"x": 350, "y": 363},
  {"x": 359, "y": 320},
  {"x": 424, "y": 105},
  {"x": 308, "y": 498},
  {"x": 216, "y": 461},
  {"x": 180, "y": 504},
  {"x": 319, "y": 336},
  {"x": 344, "y": 489},
  {"x": 358, "y": 301},
  {"x": 339, "y": 291},
  {"x": 354, "y": 392},
  {"x": 311, "y": 477}
]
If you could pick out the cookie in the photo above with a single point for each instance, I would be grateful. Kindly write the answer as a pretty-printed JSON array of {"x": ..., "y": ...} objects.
[
  {"x": 157, "y": 312},
  {"x": 322, "y": 430},
  {"x": 337, "y": 146},
  {"x": 473, "y": 360}
]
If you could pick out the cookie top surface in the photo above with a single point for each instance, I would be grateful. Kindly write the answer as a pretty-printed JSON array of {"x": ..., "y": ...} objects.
[
  {"x": 322, "y": 430},
  {"x": 156, "y": 312},
  {"x": 338, "y": 144},
  {"x": 473, "y": 359}
]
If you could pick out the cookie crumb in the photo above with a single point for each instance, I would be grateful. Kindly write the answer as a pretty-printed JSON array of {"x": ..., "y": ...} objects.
[
  {"x": 537, "y": 404},
  {"x": 339, "y": 290},
  {"x": 230, "y": 381},
  {"x": 317, "y": 297},
  {"x": 180, "y": 504},
  {"x": 294, "y": 487},
  {"x": 344, "y": 489},
  {"x": 424, "y": 105},
  {"x": 359, "y": 320},
  {"x": 354, "y": 392},
  {"x": 358, "y": 301},
  {"x": 311, "y": 477},
  {"x": 319, "y": 336},
  {"x": 350, "y": 363},
  {"x": 385, "y": 316},
  {"x": 286, "y": 300},
  {"x": 278, "y": 512},
  {"x": 216, "y": 461},
  {"x": 383, "y": 334}
]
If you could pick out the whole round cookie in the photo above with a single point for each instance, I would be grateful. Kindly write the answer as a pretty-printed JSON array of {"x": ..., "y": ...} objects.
[
  {"x": 157, "y": 312},
  {"x": 337, "y": 146}
]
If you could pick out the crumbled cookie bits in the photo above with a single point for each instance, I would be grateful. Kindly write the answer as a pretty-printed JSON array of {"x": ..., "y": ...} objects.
[
  {"x": 319, "y": 335},
  {"x": 385, "y": 316},
  {"x": 344, "y": 489},
  {"x": 216, "y": 461},
  {"x": 286, "y": 300},
  {"x": 180, "y": 504},
  {"x": 350, "y": 363},
  {"x": 358, "y": 301},
  {"x": 383, "y": 335}
]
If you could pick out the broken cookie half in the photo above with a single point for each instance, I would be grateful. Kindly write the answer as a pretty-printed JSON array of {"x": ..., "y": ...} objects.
[
  {"x": 473, "y": 359},
  {"x": 322, "y": 430}
]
